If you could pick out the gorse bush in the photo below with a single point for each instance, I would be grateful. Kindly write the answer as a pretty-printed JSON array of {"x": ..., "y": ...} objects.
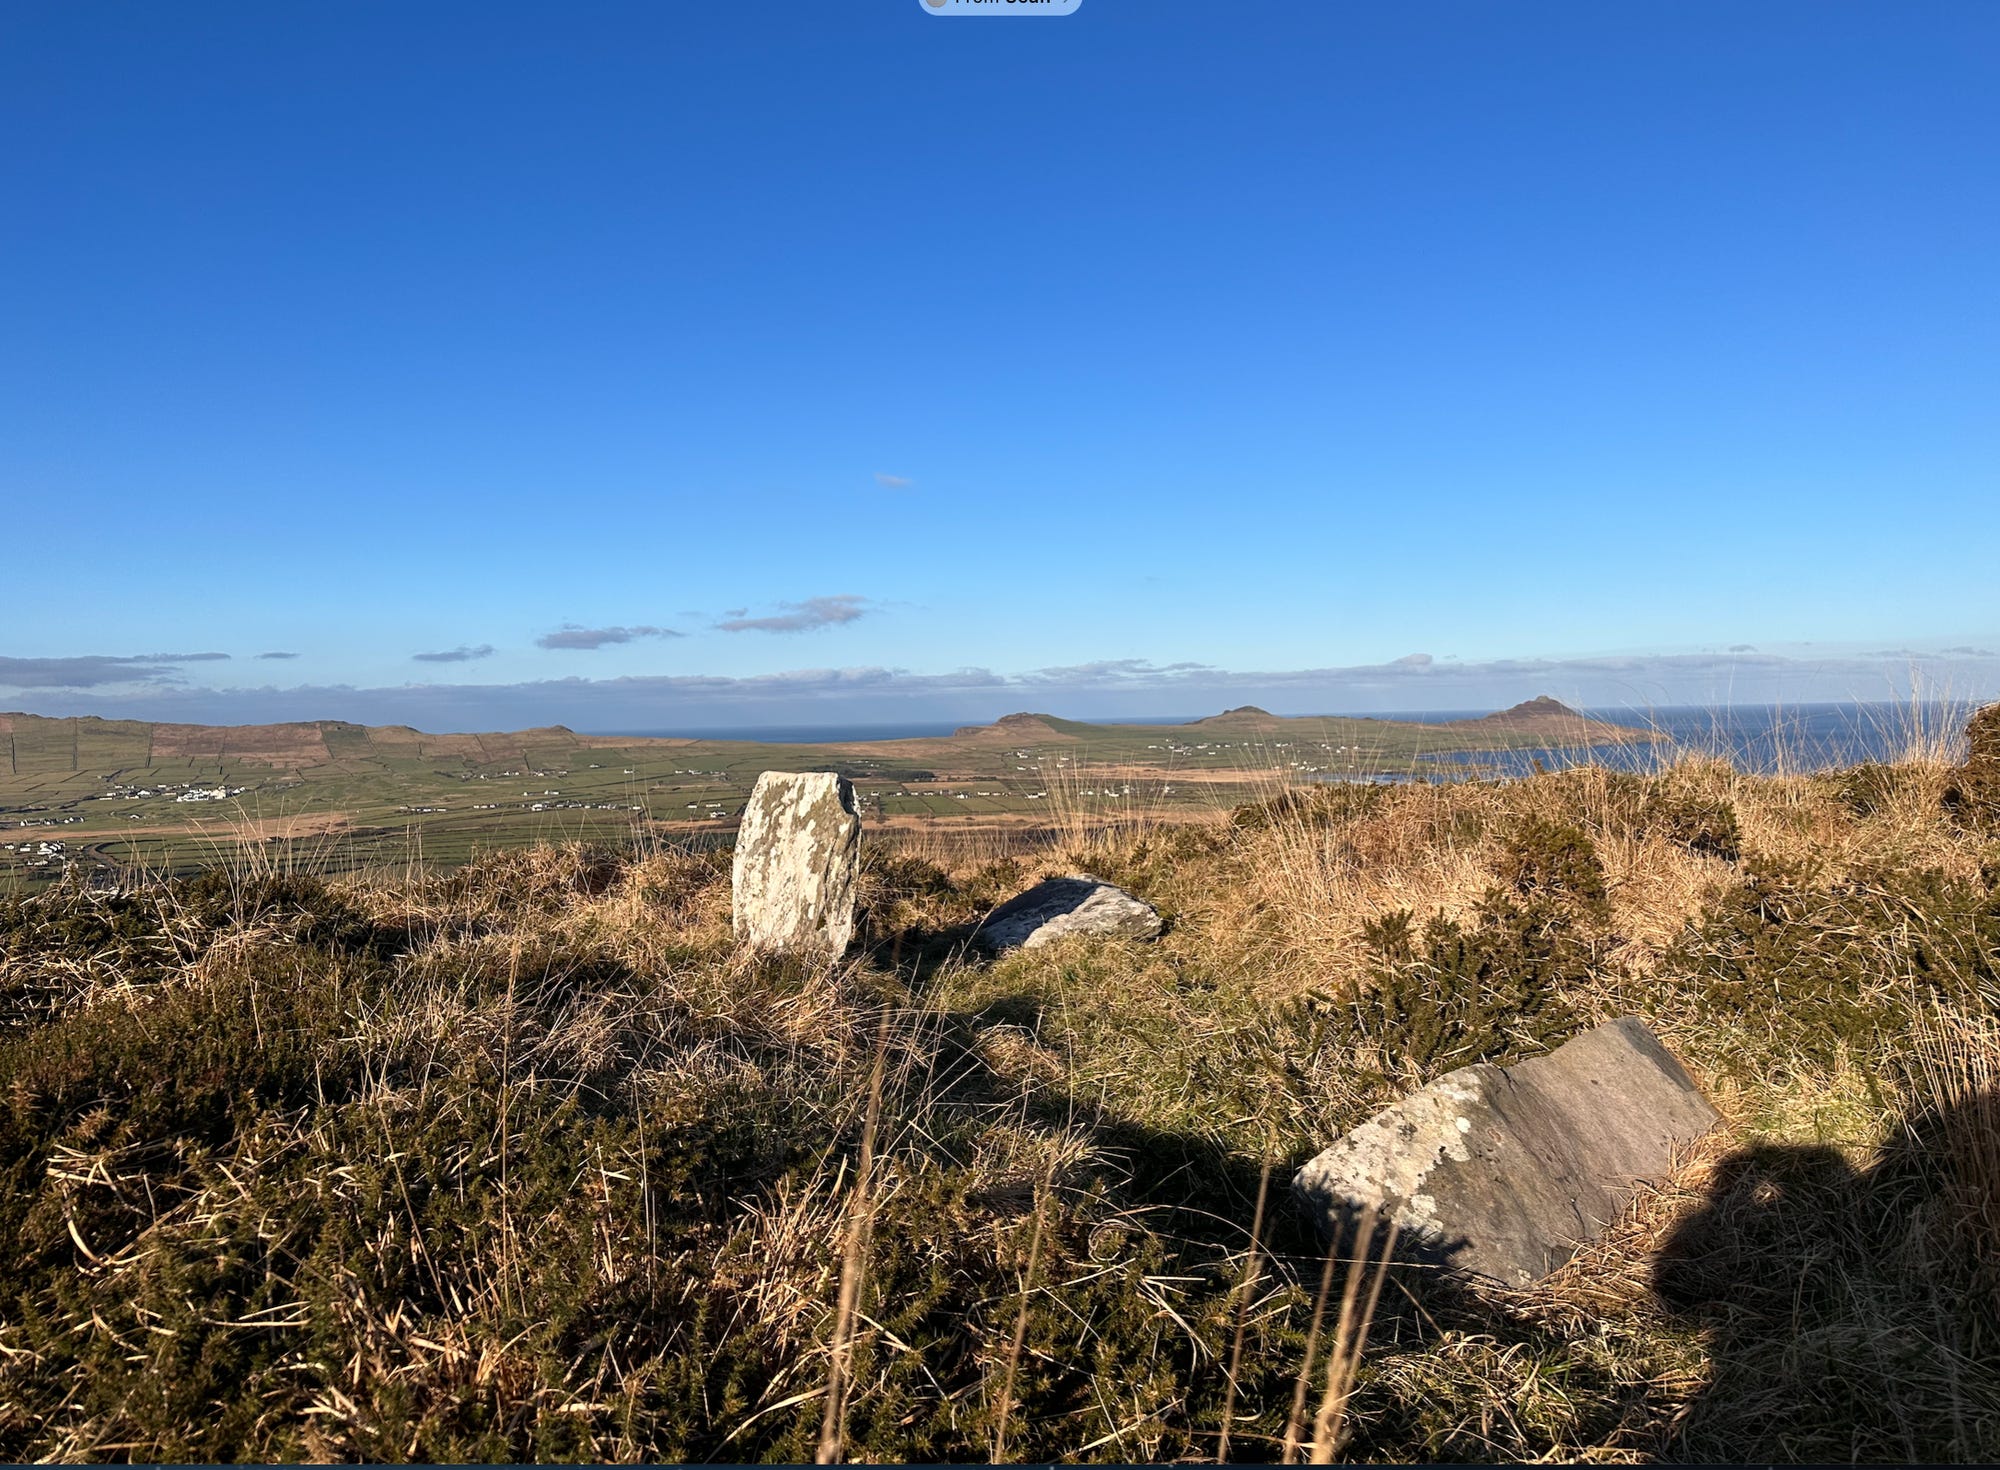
[
  {"x": 1702, "y": 821},
  {"x": 1867, "y": 788},
  {"x": 1553, "y": 860},
  {"x": 527, "y": 1161},
  {"x": 1491, "y": 990},
  {"x": 1790, "y": 965},
  {"x": 1973, "y": 791},
  {"x": 1312, "y": 806}
]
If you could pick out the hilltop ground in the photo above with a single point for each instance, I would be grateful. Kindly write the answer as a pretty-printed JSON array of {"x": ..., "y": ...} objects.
[
  {"x": 120, "y": 795},
  {"x": 526, "y": 1160}
]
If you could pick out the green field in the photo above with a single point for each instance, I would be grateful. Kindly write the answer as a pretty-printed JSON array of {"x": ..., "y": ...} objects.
[{"x": 122, "y": 796}]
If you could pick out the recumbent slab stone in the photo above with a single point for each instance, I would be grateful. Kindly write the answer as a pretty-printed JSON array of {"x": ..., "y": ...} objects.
[
  {"x": 1504, "y": 1172},
  {"x": 1058, "y": 907},
  {"x": 798, "y": 854}
]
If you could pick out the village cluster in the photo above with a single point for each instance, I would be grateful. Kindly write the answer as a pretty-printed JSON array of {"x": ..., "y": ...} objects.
[
  {"x": 36, "y": 854},
  {"x": 1351, "y": 752},
  {"x": 40, "y": 821},
  {"x": 168, "y": 791}
]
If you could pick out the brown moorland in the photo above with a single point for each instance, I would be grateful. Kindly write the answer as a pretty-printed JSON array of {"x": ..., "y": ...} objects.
[{"x": 528, "y": 1160}]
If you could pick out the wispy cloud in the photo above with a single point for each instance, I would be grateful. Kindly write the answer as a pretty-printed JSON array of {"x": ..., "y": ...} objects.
[
  {"x": 96, "y": 670},
  {"x": 85, "y": 671},
  {"x": 894, "y": 482},
  {"x": 1120, "y": 686},
  {"x": 800, "y": 617},
  {"x": 277, "y": 655},
  {"x": 574, "y": 635},
  {"x": 459, "y": 655}
]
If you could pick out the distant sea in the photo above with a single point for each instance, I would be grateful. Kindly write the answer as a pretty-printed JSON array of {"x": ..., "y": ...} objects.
[
  {"x": 1761, "y": 739},
  {"x": 1756, "y": 738}
]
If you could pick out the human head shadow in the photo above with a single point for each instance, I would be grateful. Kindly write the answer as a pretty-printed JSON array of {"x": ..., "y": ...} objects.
[
  {"x": 1843, "y": 1313},
  {"x": 1843, "y": 1318}
]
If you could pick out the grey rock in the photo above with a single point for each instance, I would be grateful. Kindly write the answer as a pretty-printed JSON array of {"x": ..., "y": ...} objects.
[
  {"x": 798, "y": 854},
  {"x": 1058, "y": 907},
  {"x": 1504, "y": 1172}
]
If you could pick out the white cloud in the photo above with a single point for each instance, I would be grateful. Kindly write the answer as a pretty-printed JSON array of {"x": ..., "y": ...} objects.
[
  {"x": 95, "y": 670},
  {"x": 800, "y": 617},
  {"x": 573, "y": 635}
]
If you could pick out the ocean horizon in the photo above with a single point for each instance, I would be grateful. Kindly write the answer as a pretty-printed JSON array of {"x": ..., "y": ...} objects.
[{"x": 1756, "y": 737}]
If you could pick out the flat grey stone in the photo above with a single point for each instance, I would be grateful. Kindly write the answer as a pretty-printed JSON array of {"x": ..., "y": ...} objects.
[
  {"x": 1504, "y": 1172},
  {"x": 1058, "y": 907},
  {"x": 798, "y": 854}
]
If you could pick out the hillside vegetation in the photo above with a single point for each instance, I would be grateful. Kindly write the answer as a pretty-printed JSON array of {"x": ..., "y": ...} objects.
[{"x": 526, "y": 1160}]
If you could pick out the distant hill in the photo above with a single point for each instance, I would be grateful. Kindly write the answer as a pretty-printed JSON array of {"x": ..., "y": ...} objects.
[
  {"x": 314, "y": 742},
  {"x": 1023, "y": 726},
  {"x": 1542, "y": 718},
  {"x": 1553, "y": 719},
  {"x": 1243, "y": 717},
  {"x": 291, "y": 744}
]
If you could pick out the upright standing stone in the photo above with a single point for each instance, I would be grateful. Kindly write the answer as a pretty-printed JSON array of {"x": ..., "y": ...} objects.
[
  {"x": 1504, "y": 1172},
  {"x": 798, "y": 854}
]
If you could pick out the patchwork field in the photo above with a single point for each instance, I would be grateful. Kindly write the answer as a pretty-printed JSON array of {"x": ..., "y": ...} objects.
[{"x": 126, "y": 796}]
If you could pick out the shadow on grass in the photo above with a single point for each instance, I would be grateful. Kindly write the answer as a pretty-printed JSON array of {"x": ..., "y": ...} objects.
[
  {"x": 1845, "y": 1317},
  {"x": 1803, "y": 1310},
  {"x": 356, "y": 1190}
]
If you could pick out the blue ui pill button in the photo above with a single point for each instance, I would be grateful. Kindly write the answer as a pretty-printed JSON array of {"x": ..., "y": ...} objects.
[{"x": 1000, "y": 7}]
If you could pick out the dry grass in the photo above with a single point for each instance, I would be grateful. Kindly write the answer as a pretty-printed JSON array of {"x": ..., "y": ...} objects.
[
  {"x": 528, "y": 1161},
  {"x": 1958, "y": 1053}
]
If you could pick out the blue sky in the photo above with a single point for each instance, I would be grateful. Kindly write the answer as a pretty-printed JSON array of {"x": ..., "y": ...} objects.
[{"x": 671, "y": 366}]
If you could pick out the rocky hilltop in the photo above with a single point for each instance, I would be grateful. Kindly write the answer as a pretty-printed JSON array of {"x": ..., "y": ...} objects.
[
  {"x": 1023, "y": 724},
  {"x": 1555, "y": 721},
  {"x": 1244, "y": 716}
]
